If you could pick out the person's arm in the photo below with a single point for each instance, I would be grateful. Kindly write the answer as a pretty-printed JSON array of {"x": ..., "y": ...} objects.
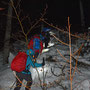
[
  {"x": 30, "y": 59},
  {"x": 31, "y": 62},
  {"x": 38, "y": 65},
  {"x": 34, "y": 64}
]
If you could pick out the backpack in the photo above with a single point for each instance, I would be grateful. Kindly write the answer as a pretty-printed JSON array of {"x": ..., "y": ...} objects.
[
  {"x": 19, "y": 62},
  {"x": 36, "y": 44}
]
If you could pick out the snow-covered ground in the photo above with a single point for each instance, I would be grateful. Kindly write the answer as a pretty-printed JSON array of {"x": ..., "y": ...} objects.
[{"x": 52, "y": 71}]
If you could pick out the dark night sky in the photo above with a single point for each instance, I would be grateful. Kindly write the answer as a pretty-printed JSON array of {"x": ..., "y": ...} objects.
[{"x": 58, "y": 11}]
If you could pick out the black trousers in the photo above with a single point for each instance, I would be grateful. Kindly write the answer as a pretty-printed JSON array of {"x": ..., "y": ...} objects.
[{"x": 22, "y": 76}]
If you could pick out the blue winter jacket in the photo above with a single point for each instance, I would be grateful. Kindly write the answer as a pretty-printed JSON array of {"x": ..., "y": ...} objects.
[{"x": 30, "y": 62}]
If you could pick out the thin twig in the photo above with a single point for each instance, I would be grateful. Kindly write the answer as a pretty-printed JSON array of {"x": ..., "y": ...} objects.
[
  {"x": 70, "y": 54},
  {"x": 51, "y": 25}
]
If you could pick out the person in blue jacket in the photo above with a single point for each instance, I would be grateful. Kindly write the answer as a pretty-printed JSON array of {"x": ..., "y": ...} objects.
[{"x": 26, "y": 74}]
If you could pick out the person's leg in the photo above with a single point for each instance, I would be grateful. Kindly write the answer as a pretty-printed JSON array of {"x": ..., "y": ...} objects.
[
  {"x": 28, "y": 85},
  {"x": 28, "y": 78},
  {"x": 18, "y": 84},
  {"x": 46, "y": 44}
]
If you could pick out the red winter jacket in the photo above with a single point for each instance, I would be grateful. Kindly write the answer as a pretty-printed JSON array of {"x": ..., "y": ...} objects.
[{"x": 30, "y": 45}]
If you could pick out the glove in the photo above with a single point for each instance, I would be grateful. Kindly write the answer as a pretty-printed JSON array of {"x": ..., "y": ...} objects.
[{"x": 43, "y": 63}]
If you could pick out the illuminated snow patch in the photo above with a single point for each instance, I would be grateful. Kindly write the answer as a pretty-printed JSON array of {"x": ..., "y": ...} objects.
[
  {"x": 40, "y": 71},
  {"x": 84, "y": 85},
  {"x": 50, "y": 44},
  {"x": 45, "y": 50},
  {"x": 51, "y": 33},
  {"x": 11, "y": 57}
]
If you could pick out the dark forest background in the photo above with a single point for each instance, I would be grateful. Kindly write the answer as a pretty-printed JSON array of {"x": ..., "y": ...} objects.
[{"x": 57, "y": 13}]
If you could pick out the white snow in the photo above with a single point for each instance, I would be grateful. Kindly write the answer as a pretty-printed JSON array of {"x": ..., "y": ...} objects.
[{"x": 81, "y": 79}]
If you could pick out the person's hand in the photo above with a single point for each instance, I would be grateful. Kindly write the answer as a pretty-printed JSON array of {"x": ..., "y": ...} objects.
[{"x": 43, "y": 63}]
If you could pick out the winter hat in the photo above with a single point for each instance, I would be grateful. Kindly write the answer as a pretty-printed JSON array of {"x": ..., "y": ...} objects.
[{"x": 46, "y": 29}]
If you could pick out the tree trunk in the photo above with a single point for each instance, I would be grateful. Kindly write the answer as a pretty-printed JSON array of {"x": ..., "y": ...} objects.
[
  {"x": 82, "y": 15},
  {"x": 7, "y": 36}
]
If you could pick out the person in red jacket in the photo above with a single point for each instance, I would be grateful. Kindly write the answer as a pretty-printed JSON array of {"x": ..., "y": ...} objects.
[{"x": 36, "y": 44}]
